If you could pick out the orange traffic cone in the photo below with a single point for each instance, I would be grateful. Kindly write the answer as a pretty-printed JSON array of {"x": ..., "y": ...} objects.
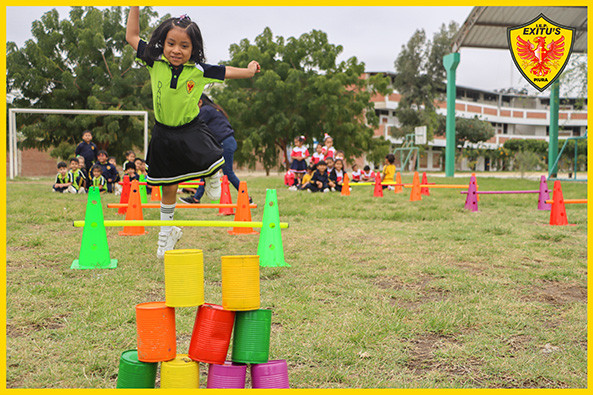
[
  {"x": 134, "y": 212},
  {"x": 415, "y": 194},
  {"x": 155, "y": 194},
  {"x": 225, "y": 197},
  {"x": 398, "y": 180},
  {"x": 424, "y": 190},
  {"x": 378, "y": 192},
  {"x": 558, "y": 212},
  {"x": 345, "y": 186},
  {"x": 125, "y": 195},
  {"x": 243, "y": 211}
]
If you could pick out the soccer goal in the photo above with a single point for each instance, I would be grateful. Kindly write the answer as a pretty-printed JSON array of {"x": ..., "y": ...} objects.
[{"x": 12, "y": 138}]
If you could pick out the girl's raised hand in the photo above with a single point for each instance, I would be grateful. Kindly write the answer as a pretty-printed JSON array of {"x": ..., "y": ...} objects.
[{"x": 254, "y": 67}]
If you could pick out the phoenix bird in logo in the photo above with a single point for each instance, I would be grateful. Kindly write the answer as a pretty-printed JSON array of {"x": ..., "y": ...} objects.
[{"x": 540, "y": 56}]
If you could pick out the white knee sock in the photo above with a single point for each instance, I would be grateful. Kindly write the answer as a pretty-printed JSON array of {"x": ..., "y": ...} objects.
[{"x": 167, "y": 211}]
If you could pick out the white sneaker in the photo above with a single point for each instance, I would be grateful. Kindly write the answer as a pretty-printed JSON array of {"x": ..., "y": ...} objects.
[
  {"x": 212, "y": 188},
  {"x": 310, "y": 191},
  {"x": 71, "y": 189},
  {"x": 167, "y": 241},
  {"x": 333, "y": 189},
  {"x": 81, "y": 191},
  {"x": 292, "y": 188},
  {"x": 326, "y": 190}
]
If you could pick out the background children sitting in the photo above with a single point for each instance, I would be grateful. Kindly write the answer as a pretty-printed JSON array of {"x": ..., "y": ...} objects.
[
  {"x": 78, "y": 176},
  {"x": 330, "y": 164},
  {"x": 130, "y": 171},
  {"x": 64, "y": 180},
  {"x": 317, "y": 155},
  {"x": 388, "y": 170},
  {"x": 320, "y": 179},
  {"x": 117, "y": 179},
  {"x": 130, "y": 157},
  {"x": 367, "y": 175},
  {"x": 355, "y": 173},
  {"x": 109, "y": 171},
  {"x": 98, "y": 180},
  {"x": 337, "y": 175}
]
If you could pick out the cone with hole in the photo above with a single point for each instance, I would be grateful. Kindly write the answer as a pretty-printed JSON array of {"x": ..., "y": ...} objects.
[
  {"x": 378, "y": 192},
  {"x": 544, "y": 194},
  {"x": 94, "y": 251},
  {"x": 142, "y": 189},
  {"x": 471, "y": 200},
  {"x": 225, "y": 197},
  {"x": 155, "y": 194},
  {"x": 424, "y": 190},
  {"x": 398, "y": 180},
  {"x": 558, "y": 212},
  {"x": 415, "y": 195},
  {"x": 345, "y": 186},
  {"x": 134, "y": 212},
  {"x": 125, "y": 194},
  {"x": 269, "y": 249},
  {"x": 243, "y": 212}
]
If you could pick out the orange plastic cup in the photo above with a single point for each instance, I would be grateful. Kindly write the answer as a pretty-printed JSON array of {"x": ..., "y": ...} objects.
[
  {"x": 240, "y": 282},
  {"x": 155, "y": 325}
]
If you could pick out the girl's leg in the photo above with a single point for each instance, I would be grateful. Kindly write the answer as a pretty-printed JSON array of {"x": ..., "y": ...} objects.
[
  {"x": 169, "y": 235},
  {"x": 229, "y": 146}
]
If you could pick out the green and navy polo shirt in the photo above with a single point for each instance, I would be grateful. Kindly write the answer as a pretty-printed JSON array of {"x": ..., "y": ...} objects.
[{"x": 177, "y": 90}]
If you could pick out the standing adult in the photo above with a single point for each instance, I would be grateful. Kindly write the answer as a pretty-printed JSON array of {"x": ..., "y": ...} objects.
[{"x": 217, "y": 121}]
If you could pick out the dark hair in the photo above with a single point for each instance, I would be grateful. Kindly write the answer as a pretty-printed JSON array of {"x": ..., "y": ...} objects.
[
  {"x": 207, "y": 101},
  {"x": 62, "y": 164},
  {"x": 367, "y": 168},
  {"x": 331, "y": 157},
  {"x": 140, "y": 159},
  {"x": 341, "y": 161},
  {"x": 128, "y": 152},
  {"x": 322, "y": 162},
  {"x": 102, "y": 152},
  {"x": 130, "y": 165},
  {"x": 390, "y": 158},
  {"x": 112, "y": 157},
  {"x": 73, "y": 160},
  {"x": 154, "y": 49},
  {"x": 85, "y": 132},
  {"x": 96, "y": 167}
]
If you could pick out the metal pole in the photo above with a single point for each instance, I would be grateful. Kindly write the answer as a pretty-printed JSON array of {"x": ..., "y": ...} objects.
[
  {"x": 10, "y": 137},
  {"x": 450, "y": 62},
  {"x": 553, "y": 138}
]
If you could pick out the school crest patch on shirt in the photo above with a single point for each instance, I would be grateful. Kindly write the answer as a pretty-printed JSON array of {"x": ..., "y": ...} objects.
[{"x": 190, "y": 85}]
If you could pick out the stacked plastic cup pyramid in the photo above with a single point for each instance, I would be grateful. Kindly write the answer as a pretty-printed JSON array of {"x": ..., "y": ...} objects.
[{"x": 240, "y": 318}]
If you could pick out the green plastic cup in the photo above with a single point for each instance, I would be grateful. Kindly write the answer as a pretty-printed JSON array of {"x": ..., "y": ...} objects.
[
  {"x": 251, "y": 338},
  {"x": 134, "y": 373}
]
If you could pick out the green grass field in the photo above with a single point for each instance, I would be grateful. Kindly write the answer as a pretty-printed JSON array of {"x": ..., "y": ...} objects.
[{"x": 382, "y": 292}]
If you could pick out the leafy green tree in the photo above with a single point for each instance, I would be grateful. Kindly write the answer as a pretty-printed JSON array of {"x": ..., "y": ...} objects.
[
  {"x": 82, "y": 62},
  {"x": 302, "y": 90},
  {"x": 473, "y": 130},
  {"x": 421, "y": 78}
]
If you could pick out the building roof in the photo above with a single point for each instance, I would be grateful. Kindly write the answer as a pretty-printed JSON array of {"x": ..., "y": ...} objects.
[{"x": 486, "y": 27}]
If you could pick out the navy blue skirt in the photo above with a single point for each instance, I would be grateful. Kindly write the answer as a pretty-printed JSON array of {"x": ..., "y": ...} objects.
[{"x": 182, "y": 153}]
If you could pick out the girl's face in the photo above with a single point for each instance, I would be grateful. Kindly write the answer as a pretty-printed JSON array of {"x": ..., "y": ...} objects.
[
  {"x": 354, "y": 167},
  {"x": 330, "y": 163},
  {"x": 338, "y": 165},
  {"x": 177, "y": 47},
  {"x": 319, "y": 149},
  {"x": 131, "y": 157},
  {"x": 299, "y": 143},
  {"x": 329, "y": 142},
  {"x": 81, "y": 162}
]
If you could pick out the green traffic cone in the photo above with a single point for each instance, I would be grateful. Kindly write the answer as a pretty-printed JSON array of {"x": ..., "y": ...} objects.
[
  {"x": 142, "y": 190},
  {"x": 269, "y": 249},
  {"x": 94, "y": 251}
]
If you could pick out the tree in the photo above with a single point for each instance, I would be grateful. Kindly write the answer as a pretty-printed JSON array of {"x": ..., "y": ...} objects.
[
  {"x": 420, "y": 78},
  {"x": 301, "y": 90},
  {"x": 82, "y": 62}
]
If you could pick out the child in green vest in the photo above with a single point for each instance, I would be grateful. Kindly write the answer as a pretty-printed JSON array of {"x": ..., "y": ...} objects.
[{"x": 182, "y": 147}]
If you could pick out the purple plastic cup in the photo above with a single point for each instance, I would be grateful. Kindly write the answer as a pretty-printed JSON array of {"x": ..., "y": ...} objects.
[
  {"x": 226, "y": 376},
  {"x": 273, "y": 374}
]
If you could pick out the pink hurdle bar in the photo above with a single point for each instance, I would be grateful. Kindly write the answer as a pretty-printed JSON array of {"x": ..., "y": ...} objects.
[{"x": 499, "y": 192}]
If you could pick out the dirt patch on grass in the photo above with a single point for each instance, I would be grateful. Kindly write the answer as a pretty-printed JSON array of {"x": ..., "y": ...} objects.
[
  {"x": 557, "y": 293},
  {"x": 422, "y": 289}
]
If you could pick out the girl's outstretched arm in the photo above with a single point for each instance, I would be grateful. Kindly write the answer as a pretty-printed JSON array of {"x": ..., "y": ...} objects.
[
  {"x": 133, "y": 27},
  {"x": 238, "y": 73}
]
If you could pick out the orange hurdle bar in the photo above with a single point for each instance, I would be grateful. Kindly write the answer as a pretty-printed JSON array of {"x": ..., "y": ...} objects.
[
  {"x": 158, "y": 205},
  {"x": 570, "y": 201}
]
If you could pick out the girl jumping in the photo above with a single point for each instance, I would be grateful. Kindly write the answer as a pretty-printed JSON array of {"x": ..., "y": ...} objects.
[{"x": 181, "y": 148}]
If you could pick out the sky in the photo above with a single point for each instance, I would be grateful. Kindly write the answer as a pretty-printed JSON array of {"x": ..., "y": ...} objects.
[{"x": 375, "y": 35}]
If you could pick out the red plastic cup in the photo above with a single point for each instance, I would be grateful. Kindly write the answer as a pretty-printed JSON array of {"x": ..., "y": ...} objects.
[{"x": 211, "y": 335}]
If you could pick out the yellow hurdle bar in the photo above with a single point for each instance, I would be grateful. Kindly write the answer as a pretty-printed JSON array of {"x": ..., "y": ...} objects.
[
  {"x": 570, "y": 201},
  {"x": 201, "y": 205},
  {"x": 148, "y": 222}
]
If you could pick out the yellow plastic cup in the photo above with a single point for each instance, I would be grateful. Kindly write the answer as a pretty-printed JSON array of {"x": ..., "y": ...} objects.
[
  {"x": 180, "y": 372},
  {"x": 184, "y": 278},
  {"x": 240, "y": 282}
]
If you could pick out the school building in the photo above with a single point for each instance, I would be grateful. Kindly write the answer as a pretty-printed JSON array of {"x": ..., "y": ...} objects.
[{"x": 513, "y": 116}]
